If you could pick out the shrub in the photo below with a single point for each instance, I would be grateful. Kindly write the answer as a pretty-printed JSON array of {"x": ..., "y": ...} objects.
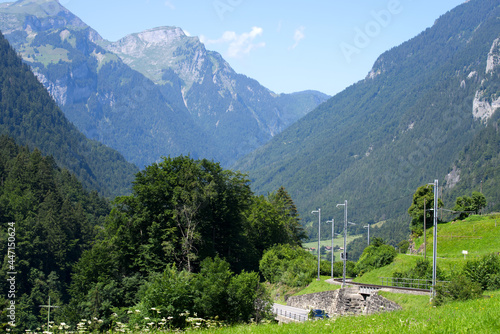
[
  {"x": 459, "y": 289},
  {"x": 375, "y": 256},
  {"x": 338, "y": 269},
  {"x": 421, "y": 270},
  {"x": 484, "y": 271}
]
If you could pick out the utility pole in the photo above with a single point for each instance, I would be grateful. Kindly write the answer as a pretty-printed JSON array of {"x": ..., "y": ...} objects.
[
  {"x": 345, "y": 241},
  {"x": 333, "y": 236},
  {"x": 368, "y": 226},
  {"x": 319, "y": 239},
  {"x": 425, "y": 232},
  {"x": 434, "y": 248},
  {"x": 48, "y": 313}
]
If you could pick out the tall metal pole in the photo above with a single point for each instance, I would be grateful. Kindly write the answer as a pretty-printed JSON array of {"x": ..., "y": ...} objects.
[
  {"x": 434, "y": 250},
  {"x": 319, "y": 240},
  {"x": 425, "y": 232},
  {"x": 345, "y": 241},
  {"x": 368, "y": 226},
  {"x": 333, "y": 236}
]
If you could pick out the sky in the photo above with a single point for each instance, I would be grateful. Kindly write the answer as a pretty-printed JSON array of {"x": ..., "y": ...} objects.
[{"x": 288, "y": 46}]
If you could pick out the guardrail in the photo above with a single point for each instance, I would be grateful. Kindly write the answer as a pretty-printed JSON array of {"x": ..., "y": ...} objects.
[
  {"x": 289, "y": 314},
  {"x": 368, "y": 290},
  {"x": 412, "y": 283}
]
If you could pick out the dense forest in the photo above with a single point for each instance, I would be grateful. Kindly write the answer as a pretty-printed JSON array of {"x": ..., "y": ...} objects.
[{"x": 52, "y": 221}]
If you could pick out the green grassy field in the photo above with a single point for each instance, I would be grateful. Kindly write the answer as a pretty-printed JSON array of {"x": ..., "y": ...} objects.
[{"x": 478, "y": 235}]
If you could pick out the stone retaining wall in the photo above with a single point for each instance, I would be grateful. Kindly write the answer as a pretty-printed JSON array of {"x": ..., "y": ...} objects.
[
  {"x": 376, "y": 303},
  {"x": 320, "y": 300},
  {"x": 346, "y": 301}
]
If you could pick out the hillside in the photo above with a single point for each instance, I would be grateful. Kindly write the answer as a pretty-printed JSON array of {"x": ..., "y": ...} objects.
[
  {"x": 151, "y": 94},
  {"x": 403, "y": 126},
  {"x": 30, "y": 116},
  {"x": 478, "y": 235}
]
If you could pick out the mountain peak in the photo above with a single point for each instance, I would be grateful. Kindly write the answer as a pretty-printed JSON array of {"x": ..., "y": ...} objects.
[
  {"x": 36, "y": 15},
  {"x": 159, "y": 36},
  {"x": 39, "y": 8}
]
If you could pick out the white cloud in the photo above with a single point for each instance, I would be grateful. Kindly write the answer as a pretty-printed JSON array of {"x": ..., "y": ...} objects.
[
  {"x": 169, "y": 4},
  {"x": 298, "y": 36},
  {"x": 238, "y": 45}
]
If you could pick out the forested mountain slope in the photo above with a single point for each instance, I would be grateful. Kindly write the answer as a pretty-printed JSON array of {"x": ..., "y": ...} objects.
[
  {"x": 30, "y": 116},
  {"x": 48, "y": 219},
  {"x": 402, "y": 127}
]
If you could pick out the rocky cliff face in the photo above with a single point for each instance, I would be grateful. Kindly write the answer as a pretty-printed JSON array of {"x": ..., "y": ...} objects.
[
  {"x": 153, "y": 51},
  {"x": 487, "y": 101},
  {"x": 493, "y": 61}
]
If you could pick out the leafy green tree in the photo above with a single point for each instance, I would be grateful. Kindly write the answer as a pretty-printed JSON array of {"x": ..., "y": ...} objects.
[
  {"x": 248, "y": 299},
  {"x": 212, "y": 286},
  {"x": 271, "y": 221},
  {"x": 286, "y": 264},
  {"x": 416, "y": 210},
  {"x": 478, "y": 202},
  {"x": 181, "y": 211},
  {"x": 376, "y": 255},
  {"x": 463, "y": 204},
  {"x": 468, "y": 205},
  {"x": 338, "y": 269},
  {"x": 403, "y": 246}
]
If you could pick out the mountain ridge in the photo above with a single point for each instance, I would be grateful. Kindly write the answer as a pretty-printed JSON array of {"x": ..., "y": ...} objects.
[{"x": 192, "y": 97}]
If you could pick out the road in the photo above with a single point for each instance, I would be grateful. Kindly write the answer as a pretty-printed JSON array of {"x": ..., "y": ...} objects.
[{"x": 289, "y": 312}]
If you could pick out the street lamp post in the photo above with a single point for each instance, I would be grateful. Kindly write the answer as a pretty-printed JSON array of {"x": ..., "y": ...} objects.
[
  {"x": 345, "y": 241},
  {"x": 319, "y": 239},
  {"x": 368, "y": 226},
  {"x": 333, "y": 236}
]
